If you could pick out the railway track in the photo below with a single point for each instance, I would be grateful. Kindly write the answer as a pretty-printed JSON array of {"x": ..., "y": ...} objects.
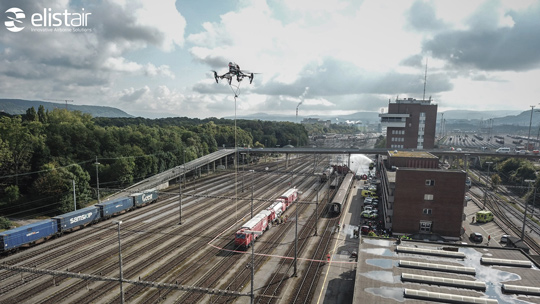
[
  {"x": 501, "y": 218},
  {"x": 158, "y": 250}
]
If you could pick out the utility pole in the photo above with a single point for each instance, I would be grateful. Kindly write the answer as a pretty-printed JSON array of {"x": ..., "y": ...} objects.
[
  {"x": 120, "y": 261},
  {"x": 530, "y": 124},
  {"x": 97, "y": 178},
  {"x": 180, "y": 207},
  {"x": 489, "y": 182},
  {"x": 74, "y": 196},
  {"x": 530, "y": 181}
]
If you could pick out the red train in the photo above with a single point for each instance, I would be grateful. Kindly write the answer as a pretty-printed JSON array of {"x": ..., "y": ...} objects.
[{"x": 261, "y": 222}]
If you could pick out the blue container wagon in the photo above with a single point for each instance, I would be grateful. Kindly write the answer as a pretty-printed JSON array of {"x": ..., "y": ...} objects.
[
  {"x": 144, "y": 198},
  {"x": 27, "y": 234},
  {"x": 77, "y": 219},
  {"x": 114, "y": 207}
]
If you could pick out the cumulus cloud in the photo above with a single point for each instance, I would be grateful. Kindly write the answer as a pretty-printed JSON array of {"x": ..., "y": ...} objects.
[
  {"x": 96, "y": 58},
  {"x": 491, "y": 44}
]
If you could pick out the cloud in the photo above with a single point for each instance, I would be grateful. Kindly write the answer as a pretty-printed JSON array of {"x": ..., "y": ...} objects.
[
  {"x": 422, "y": 16},
  {"x": 132, "y": 95},
  {"x": 491, "y": 44},
  {"x": 70, "y": 61},
  {"x": 332, "y": 77}
]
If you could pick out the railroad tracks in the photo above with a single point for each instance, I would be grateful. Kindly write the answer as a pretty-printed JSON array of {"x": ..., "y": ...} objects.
[{"x": 502, "y": 219}]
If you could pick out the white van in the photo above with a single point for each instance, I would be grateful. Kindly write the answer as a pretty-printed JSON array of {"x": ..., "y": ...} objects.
[{"x": 503, "y": 150}]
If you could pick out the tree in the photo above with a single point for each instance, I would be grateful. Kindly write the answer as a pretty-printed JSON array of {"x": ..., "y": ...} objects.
[
  {"x": 20, "y": 142},
  {"x": 495, "y": 180},
  {"x": 12, "y": 193},
  {"x": 31, "y": 114},
  {"x": 5, "y": 223}
]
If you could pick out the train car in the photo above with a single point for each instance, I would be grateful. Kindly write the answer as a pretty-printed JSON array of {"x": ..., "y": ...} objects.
[
  {"x": 115, "y": 207},
  {"x": 325, "y": 175},
  {"x": 289, "y": 197},
  {"x": 341, "y": 195},
  {"x": 276, "y": 210},
  {"x": 144, "y": 198},
  {"x": 258, "y": 223},
  {"x": 77, "y": 219},
  {"x": 28, "y": 234}
]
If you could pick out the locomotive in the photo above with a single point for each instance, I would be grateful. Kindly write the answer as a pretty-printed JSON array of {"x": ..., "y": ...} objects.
[{"x": 262, "y": 221}]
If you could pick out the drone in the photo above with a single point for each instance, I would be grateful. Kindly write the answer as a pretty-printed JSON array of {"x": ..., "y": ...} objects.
[{"x": 234, "y": 70}]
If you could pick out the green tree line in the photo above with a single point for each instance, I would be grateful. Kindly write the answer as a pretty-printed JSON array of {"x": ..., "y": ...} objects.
[{"x": 42, "y": 153}]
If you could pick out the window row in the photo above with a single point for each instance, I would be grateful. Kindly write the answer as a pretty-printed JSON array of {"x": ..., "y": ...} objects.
[{"x": 398, "y": 132}]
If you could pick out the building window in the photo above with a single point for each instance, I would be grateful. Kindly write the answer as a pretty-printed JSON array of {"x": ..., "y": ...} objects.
[
  {"x": 425, "y": 226},
  {"x": 428, "y": 197},
  {"x": 430, "y": 182},
  {"x": 426, "y": 211}
]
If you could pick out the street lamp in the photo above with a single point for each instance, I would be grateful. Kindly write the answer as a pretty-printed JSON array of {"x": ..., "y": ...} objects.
[
  {"x": 530, "y": 123},
  {"x": 120, "y": 261},
  {"x": 488, "y": 179},
  {"x": 530, "y": 181},
  {"x": 97, "y": 178}
]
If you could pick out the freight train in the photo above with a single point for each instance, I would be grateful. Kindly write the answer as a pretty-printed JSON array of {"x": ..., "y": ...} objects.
[
  {"x": 325, "y": 175},
  {"x": 27, "y": 235},
  {"x": 341, "y": 195},
  {"x": 263, "y": 220}
]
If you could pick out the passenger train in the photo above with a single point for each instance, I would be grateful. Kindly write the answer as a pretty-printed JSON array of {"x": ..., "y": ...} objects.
[{"x": 336, "y": 207}]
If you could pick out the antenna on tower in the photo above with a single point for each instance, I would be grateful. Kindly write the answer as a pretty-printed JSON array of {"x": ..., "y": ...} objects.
[
  {"x": 66, "y": 100},
  {"x": 425, "y": 81}
]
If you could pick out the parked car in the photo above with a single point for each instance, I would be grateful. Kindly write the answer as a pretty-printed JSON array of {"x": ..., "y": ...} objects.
[
  {"x": 365, "y": 230},
  {"x": 368, "y": 214},
  {"x": 467, "y": 198},
  {"x": 504, "y": 238},
  {"x": 476, "y": 237}
]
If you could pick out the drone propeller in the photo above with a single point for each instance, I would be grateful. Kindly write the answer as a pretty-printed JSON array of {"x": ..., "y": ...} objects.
[
  {"x": 251, "y": 78},
  {"x": 216, "y": 76}
]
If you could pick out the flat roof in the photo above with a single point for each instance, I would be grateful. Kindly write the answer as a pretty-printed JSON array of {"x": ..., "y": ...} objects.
[
  {"x": 411, "y": 154},
  {"x": 379, "y": 273}
]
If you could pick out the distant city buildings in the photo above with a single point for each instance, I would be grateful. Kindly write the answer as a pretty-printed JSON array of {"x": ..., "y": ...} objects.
[{"x": 410, "y": 124}]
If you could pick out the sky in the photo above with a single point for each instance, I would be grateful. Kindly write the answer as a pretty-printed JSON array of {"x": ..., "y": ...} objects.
[{"x": 155, "y": 58}]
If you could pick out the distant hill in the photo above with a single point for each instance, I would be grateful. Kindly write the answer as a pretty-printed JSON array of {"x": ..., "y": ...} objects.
[
  {"x": 472, "y": 115},
  {"x": 19, "y": 106},
  {"x": 500, "y": 117},
  {"x": 364, "y": 117}
]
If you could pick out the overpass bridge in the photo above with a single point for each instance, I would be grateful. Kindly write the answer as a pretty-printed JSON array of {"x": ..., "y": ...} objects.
[{"x": 224, "y": 158}]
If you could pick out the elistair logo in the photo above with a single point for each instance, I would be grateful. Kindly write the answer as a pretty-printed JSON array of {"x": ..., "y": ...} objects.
[
  {"x": 14, "y": 14},
  {"x": 49, "y": 21}
]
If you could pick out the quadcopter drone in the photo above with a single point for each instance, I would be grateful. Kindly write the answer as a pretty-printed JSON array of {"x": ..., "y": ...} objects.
[{"x": 234, "y": 70}]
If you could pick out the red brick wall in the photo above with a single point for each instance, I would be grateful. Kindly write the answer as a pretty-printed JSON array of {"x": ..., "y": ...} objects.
[{"x": 447, "y": 204}]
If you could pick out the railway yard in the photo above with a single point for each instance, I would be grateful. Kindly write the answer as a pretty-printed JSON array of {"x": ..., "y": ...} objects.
[
  {"x": 198, "y": 252},
  {"x": 187, "y": 254}
]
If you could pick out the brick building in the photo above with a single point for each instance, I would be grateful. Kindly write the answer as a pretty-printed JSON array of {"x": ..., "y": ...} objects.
[
  {"x": 410, "y": 124},
  {"x": 418, "y": 197},
  {"x": 429, "y": 200}
]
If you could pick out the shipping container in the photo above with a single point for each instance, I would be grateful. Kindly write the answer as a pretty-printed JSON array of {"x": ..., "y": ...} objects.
[
  {"x": 77, "y": 218},
  {"x": 144, "y": 198},
  {"x": 116, "y": 206},
  {"x": 27, "y": 234}
]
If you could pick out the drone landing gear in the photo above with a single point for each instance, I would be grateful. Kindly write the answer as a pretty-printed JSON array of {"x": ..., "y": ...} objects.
[{"x": 216, "y": 77}]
